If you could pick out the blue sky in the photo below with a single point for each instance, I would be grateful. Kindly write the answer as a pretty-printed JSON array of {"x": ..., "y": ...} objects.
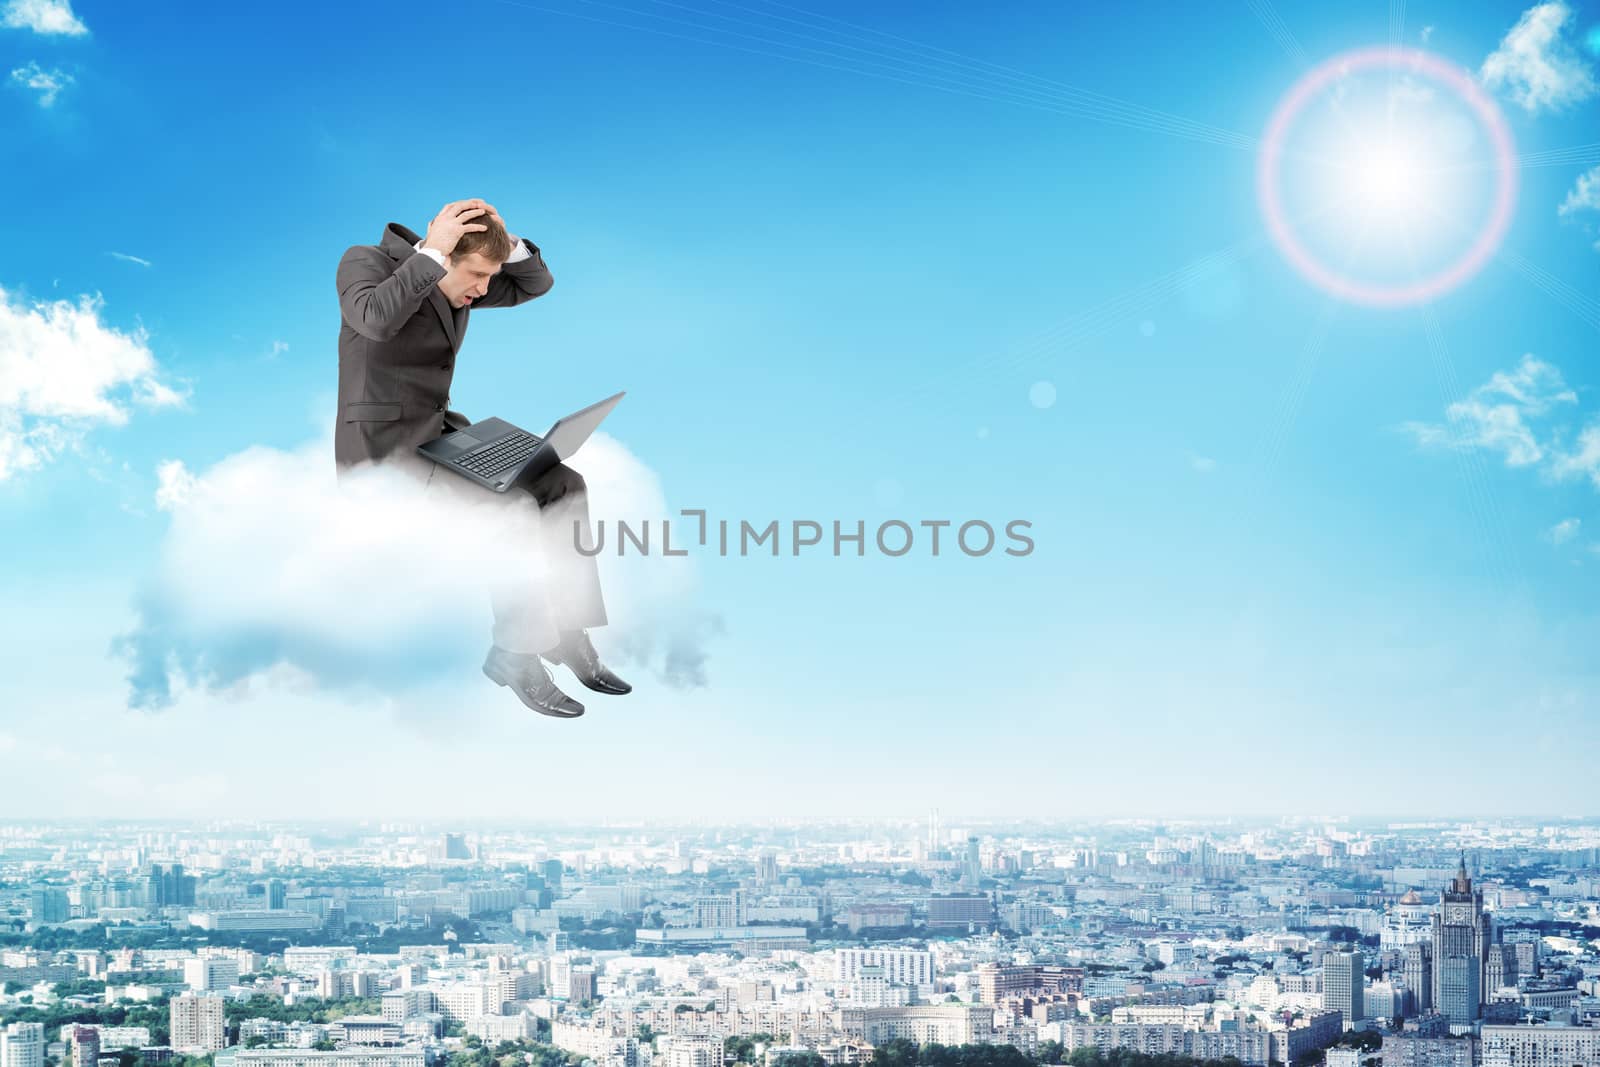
[{"x": 838, "y": 266}]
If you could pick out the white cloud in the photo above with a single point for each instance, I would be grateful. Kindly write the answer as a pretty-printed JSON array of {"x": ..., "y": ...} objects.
[
  {"x": 1496, "y": 416},
  {"x": 1202, "y": 464},
  {"x": 1583, "y": 461},
  {"x": 269, "y": 563},
  {"x": 47, "y": 83},
  {"x": 1426, "y": 34},
  {"x": 54, "y": 17},
  {"x": 1563, "y": 531},
  {"x": 1584, "y": 196},
  {"x": 129, "y": 259},
  {"x": 1536, "y": 65},
  {"x": 63, "y": 371},
  {"x": 1512, "y": 414}
]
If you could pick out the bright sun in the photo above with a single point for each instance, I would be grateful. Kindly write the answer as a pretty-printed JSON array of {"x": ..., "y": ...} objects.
[
  {"x": 1390, "y": 183},
  {"x": 1386, "y": 176}
]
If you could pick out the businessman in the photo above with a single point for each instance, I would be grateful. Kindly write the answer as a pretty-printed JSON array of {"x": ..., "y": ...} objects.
[{"x": 404, "y": 304}]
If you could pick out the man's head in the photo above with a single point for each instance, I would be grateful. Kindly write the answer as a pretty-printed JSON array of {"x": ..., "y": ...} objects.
[{"x": 476, "y": 259}]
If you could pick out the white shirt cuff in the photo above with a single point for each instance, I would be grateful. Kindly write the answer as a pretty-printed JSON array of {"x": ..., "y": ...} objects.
[
  {"x": 518, "y": 252},
  {"x": 432, "y": 253}
]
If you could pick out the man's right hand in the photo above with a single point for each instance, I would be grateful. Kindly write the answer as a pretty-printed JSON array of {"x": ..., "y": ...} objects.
[{"x": 453, "y": 220}]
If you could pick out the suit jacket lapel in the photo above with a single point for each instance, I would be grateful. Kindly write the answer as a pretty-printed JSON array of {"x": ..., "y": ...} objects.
[{"x": 442, "y": 306}]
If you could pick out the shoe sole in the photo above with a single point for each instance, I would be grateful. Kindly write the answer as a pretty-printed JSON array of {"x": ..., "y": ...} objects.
[{"x": 551, "y": 712}]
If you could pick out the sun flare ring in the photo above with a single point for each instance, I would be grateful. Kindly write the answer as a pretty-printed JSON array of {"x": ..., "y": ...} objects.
[{"x": 1388, "y": 178}]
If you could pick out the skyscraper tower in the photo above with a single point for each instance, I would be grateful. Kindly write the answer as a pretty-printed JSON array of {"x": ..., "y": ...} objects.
[
  {"x": 1343, "y": 985},
  {"x": 971, "y": 864},
  {"x": 1419, "y": 976},
  {"x": 1461, "y": 940}
]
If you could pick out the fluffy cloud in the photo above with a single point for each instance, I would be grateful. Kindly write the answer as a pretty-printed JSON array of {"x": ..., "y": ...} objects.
[
  {"x": 1536, "y": 65},
  {"x": 1498, "y": 415},
  {"x": 377, "y": 584},
  {"x": 53, "y": 17},
  {"x": 1583, "y": 460},
  {"x": 1583, "y": 197},
  {"x": 47, "y": 83},
  {"x": 1513, "y": 414},
  {"x": 1563, "y": 531},
  {"x": 62, "y": 371}
]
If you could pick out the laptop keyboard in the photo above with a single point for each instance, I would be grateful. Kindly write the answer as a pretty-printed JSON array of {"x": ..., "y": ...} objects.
[{"x": 496, "y": 457}]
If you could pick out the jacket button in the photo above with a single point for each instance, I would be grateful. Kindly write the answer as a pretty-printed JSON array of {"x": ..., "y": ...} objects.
[{"x": 438, "y": 407}]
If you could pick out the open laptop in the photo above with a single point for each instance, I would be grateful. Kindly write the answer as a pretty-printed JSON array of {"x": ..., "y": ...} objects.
[{"x": 498, "y": 455}]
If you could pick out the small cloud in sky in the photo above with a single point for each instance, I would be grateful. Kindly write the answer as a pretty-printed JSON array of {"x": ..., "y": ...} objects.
[
  {"x": 129, "y": 259},
  {"x": 1202, "y": 464},
  {"x": 1583, "y": 459},
  {"x": 377, "y": 584},
  {"x": 1426, "y": 34},
  {"x": 1536, "y": 65},
  {"x": 1583, "y": 199},
  {"x": 1516, "y": 414},
  {"x": 51, "y": 17},
  {"x": 64, "y": 371},
  {"x": 1563, "y": 531},
  {"x": 1497, "y": 415},
  {"x": 47, "y": 83},
  {"x": 278, "y": 349}
]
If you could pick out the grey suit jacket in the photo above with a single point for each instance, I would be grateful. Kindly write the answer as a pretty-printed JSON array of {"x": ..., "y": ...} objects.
[{"x": 398, "y": 340}]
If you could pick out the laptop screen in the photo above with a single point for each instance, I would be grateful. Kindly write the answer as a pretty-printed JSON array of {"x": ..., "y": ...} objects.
[{"x": 569, "y": 434}]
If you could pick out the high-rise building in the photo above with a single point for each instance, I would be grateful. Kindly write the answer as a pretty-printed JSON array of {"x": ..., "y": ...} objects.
[
  {"x": 22, "y": 1045},
  {"x": 209, "y": 973},
  {"x": 1343, "y": 975},
  {"x": 581, "y": 983},
  {"x": 1461, "y": 930},
  {"x": 85, "y": 1046},
  {"x": 49, "y": 905},
  {"x": 277, "y": 894},
  {"x": 169, "y": 887},
  {"x": 197, "y": 1023},
  {"x": 767, "y": 868},
  {"x": 1418, "y": 971},
  {"x": 971, "y": 864},
  {"x": 1500, "y": 969},
  {"x": 901, "y": 966},
  {"x": 960, "y": 910},
  {"x": 719, "y": 911},
  {"x": 1456, "y": 981}
]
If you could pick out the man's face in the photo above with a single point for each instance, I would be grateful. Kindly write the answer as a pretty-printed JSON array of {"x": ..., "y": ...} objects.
[{"x": 467, "y": 278}]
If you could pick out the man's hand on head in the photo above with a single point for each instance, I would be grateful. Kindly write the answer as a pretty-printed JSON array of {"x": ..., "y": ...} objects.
[{"x": 453, "y": 221}]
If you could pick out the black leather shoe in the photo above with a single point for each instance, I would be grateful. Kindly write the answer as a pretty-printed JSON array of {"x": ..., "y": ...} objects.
[
  {"x": 528, "y": 678},
  {"x": 577, "y": 653}
]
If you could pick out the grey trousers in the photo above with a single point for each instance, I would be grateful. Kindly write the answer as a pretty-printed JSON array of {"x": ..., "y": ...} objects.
[{"x": 533, "y": 609}]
